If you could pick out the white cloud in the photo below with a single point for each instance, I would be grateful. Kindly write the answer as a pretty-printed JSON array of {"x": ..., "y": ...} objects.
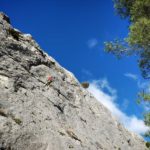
[
  {"x": 125, "y": 104},
  {"x": 132, "y": 123},
  {"x": 131, "y": 76},
  {"x": 104, "y": 84},
  {"x": 92, "y": 43}
]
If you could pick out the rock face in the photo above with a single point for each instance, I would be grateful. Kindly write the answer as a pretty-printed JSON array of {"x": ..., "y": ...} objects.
[{"x": 37, "y": 114}]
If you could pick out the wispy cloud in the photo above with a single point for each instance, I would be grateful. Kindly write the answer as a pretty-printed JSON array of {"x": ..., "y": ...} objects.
[
  {"x": 87, "y": 72},
  {"x": 142, "y": 85},
  {"x": 104, "y": 84},
  {"x": 132, "y": 123},
  {"x": 92, "y": 43},
  {"x": 125, "y": 104},
  {"x": 131, "y": 76}
]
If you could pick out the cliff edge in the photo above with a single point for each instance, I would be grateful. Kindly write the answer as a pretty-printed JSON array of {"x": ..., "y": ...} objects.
[{"x": 44, "y": 107}]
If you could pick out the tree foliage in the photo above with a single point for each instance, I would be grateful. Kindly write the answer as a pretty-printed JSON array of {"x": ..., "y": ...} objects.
[{"x": 138, "y": 40}]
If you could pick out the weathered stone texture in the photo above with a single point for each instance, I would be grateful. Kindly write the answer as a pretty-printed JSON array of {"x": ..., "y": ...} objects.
[{"x": 60, "y": 115}]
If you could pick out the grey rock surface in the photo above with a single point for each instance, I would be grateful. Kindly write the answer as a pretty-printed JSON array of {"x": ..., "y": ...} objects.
[{"x": 59, "y": 115}]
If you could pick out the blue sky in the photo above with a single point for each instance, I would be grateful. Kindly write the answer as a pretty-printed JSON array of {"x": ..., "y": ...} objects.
[{"x": 74, "y": 32}]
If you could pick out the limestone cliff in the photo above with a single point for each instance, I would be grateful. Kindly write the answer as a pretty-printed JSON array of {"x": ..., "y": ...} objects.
[{"x": 60, "y": 115}]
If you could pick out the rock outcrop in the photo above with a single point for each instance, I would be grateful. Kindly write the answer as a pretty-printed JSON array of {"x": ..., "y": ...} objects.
[{"x": 36, "y": 114}]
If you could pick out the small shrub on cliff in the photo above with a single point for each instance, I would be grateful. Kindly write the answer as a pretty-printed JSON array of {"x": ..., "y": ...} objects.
[
  {"x": 17, "y": 120},
  {"x": 85, "y": 85}
]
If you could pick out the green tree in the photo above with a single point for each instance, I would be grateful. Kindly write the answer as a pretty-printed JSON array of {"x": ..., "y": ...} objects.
[{"x": 138, "y": 40}]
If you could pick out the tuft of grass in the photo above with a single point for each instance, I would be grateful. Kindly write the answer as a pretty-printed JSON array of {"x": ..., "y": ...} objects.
[
  {"x": 17, "y": 120},
  {"x": 71, "y": 146}
]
